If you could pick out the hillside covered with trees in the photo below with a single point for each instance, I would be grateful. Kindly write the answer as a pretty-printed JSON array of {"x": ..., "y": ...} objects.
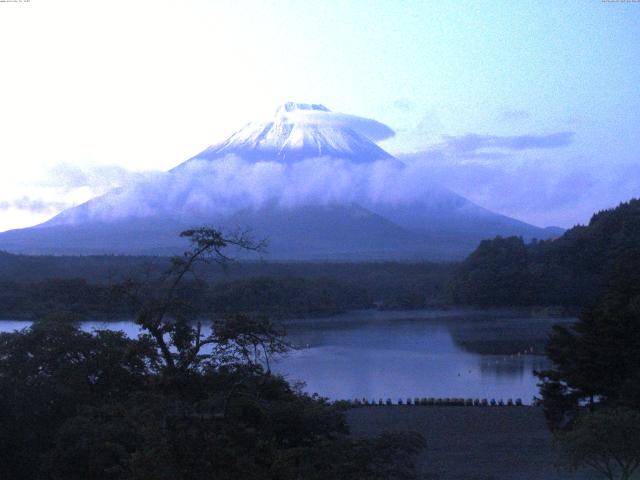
[
  {"x": 573, "y": 270},
  {"x": 591, "y": 392}
]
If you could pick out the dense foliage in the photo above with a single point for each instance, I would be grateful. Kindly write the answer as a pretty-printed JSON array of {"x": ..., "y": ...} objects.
[
  {"x": 607, "y": 440},
  {"x": 597, "y": 361},
  {"x": 75, "y": 405},
  {"x": 591, "y": 393},
  {"x": 572, "y": 270},
  {"x": 184, "y": 400}
]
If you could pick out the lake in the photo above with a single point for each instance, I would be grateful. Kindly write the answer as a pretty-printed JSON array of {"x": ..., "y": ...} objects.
[{"x": 406, "y": 354}]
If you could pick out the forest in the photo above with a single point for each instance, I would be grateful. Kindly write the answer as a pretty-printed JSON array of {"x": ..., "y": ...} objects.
[
  {"x": 85, "y": 287},
  {"x": 573, "y": 270}
]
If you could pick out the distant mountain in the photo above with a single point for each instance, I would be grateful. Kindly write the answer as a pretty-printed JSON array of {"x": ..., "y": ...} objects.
[
  {"x": 310, "y": 232},
  {"x": 310, "y": 181}
]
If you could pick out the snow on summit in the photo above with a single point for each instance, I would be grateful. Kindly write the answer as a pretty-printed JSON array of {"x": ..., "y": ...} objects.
[{"x": 300, "y": 131}]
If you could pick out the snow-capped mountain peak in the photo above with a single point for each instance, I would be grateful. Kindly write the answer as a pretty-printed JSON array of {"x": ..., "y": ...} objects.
[{"x": 299, "y": 131}]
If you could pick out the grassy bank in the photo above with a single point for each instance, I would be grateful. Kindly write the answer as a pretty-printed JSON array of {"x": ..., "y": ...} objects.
[{"x": 500, "y": 443}]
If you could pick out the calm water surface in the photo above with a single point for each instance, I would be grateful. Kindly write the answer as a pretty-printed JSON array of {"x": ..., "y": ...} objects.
[{"x": 429, "y": 353}]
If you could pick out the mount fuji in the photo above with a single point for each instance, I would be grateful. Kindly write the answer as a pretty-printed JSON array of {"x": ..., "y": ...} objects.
[
  {"x": 312, "y": 182},
  {"x": 301, "y": 130}
]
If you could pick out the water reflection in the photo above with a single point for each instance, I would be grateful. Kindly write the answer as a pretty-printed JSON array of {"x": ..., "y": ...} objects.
[
  {"x": 372, "y": 354},
  {"x": 420, "y": 354}
]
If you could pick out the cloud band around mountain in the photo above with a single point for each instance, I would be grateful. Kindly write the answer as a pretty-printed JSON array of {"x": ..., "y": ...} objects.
[{"x": 367, "y": 127}]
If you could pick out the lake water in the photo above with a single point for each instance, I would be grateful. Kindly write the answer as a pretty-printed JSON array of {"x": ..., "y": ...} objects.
[{"x": 429, "y": 353}]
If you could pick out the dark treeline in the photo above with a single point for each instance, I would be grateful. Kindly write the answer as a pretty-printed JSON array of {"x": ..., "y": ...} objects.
[
  {"x": 115, "y": 268},
  {"x": 572, "y": 270},
  {"x": 591, "y": 392},
  {"x": 32, "y": 286},
  {"x": 277, "y": 297}
]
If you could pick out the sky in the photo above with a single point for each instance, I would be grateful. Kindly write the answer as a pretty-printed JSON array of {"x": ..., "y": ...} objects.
[{"x": 531, "y": 109}]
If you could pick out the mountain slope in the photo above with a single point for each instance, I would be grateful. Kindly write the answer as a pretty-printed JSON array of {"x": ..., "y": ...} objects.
[
  {"x": 310, "y": 181},
  {"x": 306, "y": 233}
]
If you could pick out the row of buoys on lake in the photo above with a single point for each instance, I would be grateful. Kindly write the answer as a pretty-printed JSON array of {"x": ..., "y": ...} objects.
[{"x": 450, "y": 402}]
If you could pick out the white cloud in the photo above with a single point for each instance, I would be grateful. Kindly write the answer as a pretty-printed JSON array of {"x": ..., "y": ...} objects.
[
  {"x": 371, "y": 129},
  {"x": 543, "y": 189},
  {"x": 98, "y": 178},
  {"x": 43, "y": 194},
  {"x": 224, "y": 186}
]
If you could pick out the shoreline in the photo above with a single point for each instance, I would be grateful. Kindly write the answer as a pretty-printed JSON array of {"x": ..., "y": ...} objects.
[{"x": 379, "y": 314}]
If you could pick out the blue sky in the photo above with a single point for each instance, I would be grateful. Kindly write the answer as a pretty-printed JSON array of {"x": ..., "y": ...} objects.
[{"x": 107, "y": 88}]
